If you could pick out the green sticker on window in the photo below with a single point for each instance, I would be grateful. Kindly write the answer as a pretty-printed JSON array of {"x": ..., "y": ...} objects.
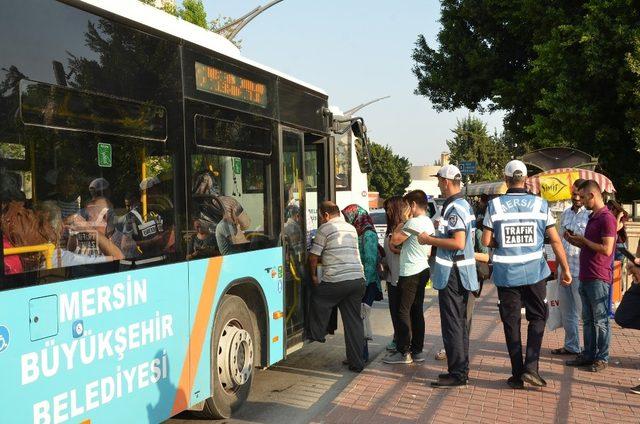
[
  {"x": 104, "y": 155},
  {"x": 237, "y": 166}
]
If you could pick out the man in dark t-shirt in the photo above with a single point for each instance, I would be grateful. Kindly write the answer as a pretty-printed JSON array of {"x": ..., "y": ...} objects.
[{"x": 596, "y": 275}]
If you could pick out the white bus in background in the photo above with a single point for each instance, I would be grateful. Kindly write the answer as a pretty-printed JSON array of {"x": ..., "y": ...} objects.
[
  {"x": 350, "y": 178},
  {"x": 351, "y": 163}
]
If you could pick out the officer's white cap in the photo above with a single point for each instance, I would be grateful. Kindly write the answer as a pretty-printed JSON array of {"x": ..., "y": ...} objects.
[
  {"x": 449, "y": 172},
  {"x": 515, "y": 168}
]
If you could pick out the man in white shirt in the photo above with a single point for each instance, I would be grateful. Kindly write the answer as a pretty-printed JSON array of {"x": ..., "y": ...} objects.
[{"x": 574, "y": 219}]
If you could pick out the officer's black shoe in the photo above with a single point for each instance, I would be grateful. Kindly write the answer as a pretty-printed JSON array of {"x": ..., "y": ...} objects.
[
  {"x": 580, "y": 361},
  {"x": 355, "y": 369},
  {"x": 449, "y": 382},
  {"x": 515, "y": 383},
  {"x": 447, "y": 375},
  {"x": 533, "y": 378}
]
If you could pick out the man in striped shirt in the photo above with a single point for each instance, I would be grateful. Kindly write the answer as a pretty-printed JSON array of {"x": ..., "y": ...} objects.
[
  {"x": 573, "y": 220},
  {"x": 341, "y": 283}
]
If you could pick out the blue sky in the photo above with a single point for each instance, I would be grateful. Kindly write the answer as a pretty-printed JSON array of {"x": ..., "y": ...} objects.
[{"x": 356, "y": 50}]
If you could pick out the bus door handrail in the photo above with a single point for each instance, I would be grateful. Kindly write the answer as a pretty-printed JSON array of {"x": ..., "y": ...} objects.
[{"x": 46, "y": 248}]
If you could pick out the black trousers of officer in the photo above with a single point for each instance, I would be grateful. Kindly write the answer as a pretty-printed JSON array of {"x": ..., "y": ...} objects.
[
  {"x": 511, "y": 301},
  {"x": 453, "y": 301}
]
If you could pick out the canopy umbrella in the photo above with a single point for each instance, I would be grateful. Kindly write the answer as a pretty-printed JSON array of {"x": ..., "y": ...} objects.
[
  {"x": 555, "y": 184},
  {"x": 486, "y": 187}
]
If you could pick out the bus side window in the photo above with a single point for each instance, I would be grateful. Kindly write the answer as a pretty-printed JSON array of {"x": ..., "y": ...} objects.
[{"x": 228, "y": 212}]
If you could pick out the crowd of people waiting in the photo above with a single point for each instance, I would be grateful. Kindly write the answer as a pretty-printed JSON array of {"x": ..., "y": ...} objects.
[{"x": 502, "y": 240}]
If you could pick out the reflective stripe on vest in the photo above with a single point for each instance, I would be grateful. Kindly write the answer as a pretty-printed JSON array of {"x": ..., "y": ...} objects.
[
  {"x": 517, "y": 259},
  {"x": 463, "y": 262}
]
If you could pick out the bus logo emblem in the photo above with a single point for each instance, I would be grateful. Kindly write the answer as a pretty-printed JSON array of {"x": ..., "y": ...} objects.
[
  {"x": 78, "y": 329},
  {"x": 4, "y": 338}
]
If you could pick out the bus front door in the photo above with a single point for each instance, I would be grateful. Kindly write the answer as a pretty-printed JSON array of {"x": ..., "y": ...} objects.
[{"x": 294, "y": 235}]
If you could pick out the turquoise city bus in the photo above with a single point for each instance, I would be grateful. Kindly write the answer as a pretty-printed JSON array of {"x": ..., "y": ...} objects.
[{"x": 153, "y": 185}]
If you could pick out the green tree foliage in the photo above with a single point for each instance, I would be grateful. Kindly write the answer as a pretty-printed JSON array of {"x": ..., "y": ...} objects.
[
  {"x": 193, "y": 11},
  {"x": 389, "y": 175},
  {"x": 566, "y": 72},
  {"x": 472, "y": 142}
]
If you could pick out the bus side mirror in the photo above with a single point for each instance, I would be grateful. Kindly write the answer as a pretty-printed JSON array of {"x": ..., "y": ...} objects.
[
  {"x": 361, "y": 143},
  {"x": 358, "y": 129}
]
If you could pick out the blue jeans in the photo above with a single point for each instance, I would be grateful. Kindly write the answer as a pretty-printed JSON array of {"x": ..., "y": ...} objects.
[
  {"x": 570, "y": 309},
  {"x": 595, "y": 319}
]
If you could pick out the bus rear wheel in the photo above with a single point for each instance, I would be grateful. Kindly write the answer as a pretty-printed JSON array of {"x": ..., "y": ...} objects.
[{"x": 232, "y": 357}]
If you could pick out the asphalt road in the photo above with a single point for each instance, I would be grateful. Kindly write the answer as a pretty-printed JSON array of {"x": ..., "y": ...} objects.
[{"x": 296, "y": 389}]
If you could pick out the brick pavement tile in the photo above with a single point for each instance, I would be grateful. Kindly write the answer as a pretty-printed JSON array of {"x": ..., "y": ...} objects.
[{"x": 401, "y": 393}]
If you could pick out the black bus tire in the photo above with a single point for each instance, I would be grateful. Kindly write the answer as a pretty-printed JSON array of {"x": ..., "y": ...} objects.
[{"x": 233, "y": 346}]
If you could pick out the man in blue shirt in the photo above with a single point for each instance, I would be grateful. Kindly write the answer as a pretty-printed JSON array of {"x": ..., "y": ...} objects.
[{"x": 515, "y": 225}]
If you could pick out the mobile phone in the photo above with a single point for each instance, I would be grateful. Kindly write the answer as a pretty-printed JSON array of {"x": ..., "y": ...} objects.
[{"x": 567, "y": 230}]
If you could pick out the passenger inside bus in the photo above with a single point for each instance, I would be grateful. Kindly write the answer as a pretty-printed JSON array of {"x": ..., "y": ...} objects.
[
  {"x": 9, "y": 192},
  {"x": 230, "y": 230},
  {"x": 202, "y": 244},
  {"x": 294, "y": 240},
  {"x": 154, "y": 231},
  {"x": 99, "y": 187},
  {"x": 63, "y": 257},
  {"x": 100, "y": 216},
  {"x": 66, "y": 191},
  {"x": 215, "y": 193}
]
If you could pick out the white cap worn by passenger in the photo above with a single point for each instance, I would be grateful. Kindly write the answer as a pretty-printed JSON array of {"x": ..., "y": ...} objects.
[
  {"x": 99, "y": 184},
  {"x": 515, "y": 168},
  {"x": 449, "y": 172}
]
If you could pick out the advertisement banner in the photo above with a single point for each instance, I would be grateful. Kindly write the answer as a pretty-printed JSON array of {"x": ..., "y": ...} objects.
[{"x": 557, "y": 186}]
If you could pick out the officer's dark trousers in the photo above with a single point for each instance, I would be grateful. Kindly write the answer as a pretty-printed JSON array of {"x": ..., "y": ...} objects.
[
  {"x": 628, "y": 312},
  {"x": 511, "y": 301},
  {"x": 453, "y": 301},
  {"x": 410, "y": 336},
  {"x": 347, "y": 295}
]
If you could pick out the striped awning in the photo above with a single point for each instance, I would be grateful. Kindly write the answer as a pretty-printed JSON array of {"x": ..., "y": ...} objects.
[
  {"x": 487, "y": 187},
  {"x": 556, "y": 183}
]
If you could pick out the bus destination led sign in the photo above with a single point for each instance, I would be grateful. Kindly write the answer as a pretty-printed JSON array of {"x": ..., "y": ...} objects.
[{"x": 216, "y": 81}]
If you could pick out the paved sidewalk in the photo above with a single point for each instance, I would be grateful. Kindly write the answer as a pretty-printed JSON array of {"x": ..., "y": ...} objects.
[{"x": 401, "y": 393}]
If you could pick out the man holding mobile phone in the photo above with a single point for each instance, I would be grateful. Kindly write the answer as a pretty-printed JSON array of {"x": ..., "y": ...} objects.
[
  {"x": 596, "y": 275},
  {"x": 572, "y": 221}
]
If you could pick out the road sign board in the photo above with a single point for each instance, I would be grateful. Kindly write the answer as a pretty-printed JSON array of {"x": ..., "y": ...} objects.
[{"x": 468, "y": 167}]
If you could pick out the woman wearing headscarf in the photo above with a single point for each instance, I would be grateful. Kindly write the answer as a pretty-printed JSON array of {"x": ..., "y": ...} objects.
[{"x": 368, "y": 246}]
